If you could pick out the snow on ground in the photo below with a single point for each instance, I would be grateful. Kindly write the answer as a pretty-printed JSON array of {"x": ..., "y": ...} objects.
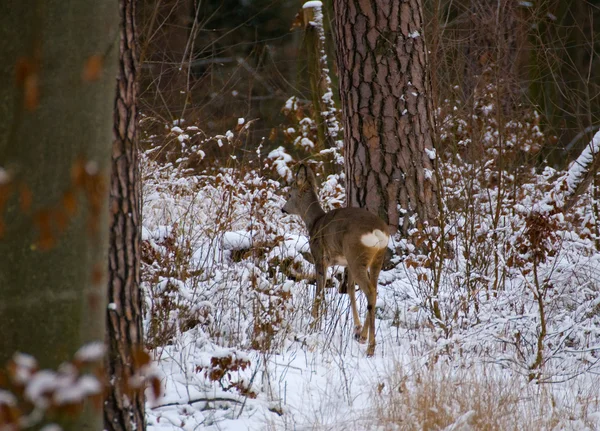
[
  {"x": 300, "y": 388},
  {"x": 228, "y": 297}
]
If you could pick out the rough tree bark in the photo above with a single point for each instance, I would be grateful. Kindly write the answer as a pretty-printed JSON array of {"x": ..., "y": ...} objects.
[
  {"x": 387, "y": 109},
  {"x": 124, "y": 404},
  {"x": 57, "y": 81}
]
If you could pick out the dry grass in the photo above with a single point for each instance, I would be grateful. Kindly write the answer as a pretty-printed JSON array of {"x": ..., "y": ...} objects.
[{"x": 445, "y": 398}]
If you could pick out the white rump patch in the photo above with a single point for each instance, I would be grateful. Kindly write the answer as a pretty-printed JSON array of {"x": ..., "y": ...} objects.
[{"x": 376, "y": 238}]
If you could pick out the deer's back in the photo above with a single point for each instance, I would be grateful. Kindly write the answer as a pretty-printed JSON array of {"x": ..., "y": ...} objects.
[{"x": 356, "y": 228}]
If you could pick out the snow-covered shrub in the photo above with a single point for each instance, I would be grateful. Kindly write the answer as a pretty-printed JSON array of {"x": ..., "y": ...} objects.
[
  {"x": 503, "y": 266},
  {"x": 36, "y": 398},
  {"x": 504, "y": 278}
]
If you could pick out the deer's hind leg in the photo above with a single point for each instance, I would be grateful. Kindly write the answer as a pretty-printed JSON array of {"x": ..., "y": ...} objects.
[
  {"x": 321, "y": 272},
  {"x": 375, "y": 267},
  {"x": 374, "y": 270},
  {"x": 351, "y": 287},
  {"x": 359, "y": 273},
  {"x": 368, "y": 330}
]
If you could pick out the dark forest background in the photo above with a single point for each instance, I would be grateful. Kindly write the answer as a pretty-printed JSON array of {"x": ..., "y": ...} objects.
[{"x": 215, "y": 61}]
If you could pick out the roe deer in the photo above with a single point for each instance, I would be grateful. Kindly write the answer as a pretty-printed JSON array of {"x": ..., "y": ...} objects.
[{"x": 351, "y": 237}]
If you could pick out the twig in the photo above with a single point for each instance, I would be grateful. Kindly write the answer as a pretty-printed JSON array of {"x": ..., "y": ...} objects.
[{"x": 199, "y": 400}]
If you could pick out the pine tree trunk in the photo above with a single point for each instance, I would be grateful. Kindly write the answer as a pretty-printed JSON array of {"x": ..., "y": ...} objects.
[
  {"x": 124, "y": 404},
  {"x": 57, "y": 82},
  {"x": 387, "y": 109}
]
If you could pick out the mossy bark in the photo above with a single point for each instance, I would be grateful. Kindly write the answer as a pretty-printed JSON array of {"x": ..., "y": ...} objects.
[{"x": 57, "y": 86}]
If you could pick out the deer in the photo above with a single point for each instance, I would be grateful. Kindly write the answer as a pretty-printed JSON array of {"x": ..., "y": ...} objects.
[{"x": 350, "y": 237}]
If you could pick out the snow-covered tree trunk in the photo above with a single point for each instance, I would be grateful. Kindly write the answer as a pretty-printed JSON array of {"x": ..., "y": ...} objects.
[
  {"x": 387, "y": 109},
  {"x": 124, "y": 404},
  {"x": 57, "y": 84},
  {"x": 328, "y": 126},
  {"x": 582, "y": 171}
]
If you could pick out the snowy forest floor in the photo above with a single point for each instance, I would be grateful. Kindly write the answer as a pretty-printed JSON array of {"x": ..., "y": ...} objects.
[{"x": 495, "y": 327}]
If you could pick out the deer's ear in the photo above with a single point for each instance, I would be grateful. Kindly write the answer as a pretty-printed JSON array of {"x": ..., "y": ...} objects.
[{"x": 302, "y": 177}]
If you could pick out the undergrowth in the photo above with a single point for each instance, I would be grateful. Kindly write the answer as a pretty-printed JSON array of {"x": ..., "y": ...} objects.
[{"x": 506, "y": 277}]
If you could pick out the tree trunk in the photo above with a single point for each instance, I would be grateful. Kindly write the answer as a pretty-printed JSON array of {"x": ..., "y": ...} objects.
[
  {"x": 57, "y": 83},
  {"x": 124, "y": 404},
  {"x": 387, "y": 109}
]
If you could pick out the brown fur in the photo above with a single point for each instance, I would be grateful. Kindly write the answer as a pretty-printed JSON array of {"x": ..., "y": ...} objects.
[{"x": 335, "y": 238}]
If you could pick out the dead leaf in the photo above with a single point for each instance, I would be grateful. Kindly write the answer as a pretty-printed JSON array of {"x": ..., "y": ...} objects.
[{"x": 92, "y": 71}]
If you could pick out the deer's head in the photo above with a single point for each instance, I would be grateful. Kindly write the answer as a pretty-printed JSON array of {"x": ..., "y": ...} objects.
[{"x": 303, "y": 192}]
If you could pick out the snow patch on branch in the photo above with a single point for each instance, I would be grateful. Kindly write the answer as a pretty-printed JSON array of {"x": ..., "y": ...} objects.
[
  {"x": 281, "y": 159},
  {"x": 91, "y": 352},
  {"x": 580, "y": 167},
  {"x": 315, "y": 4},
  {"x": 431, "y": 153},
  {"x": 66, "y": 387},
  {"x": 7, "y": 398},
  {"x": 4, "y": 176}
]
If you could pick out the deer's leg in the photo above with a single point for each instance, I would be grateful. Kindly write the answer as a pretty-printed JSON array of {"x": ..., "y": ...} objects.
[
  {"x": 358, "y": 272},
  {"x": 375, "y": 268},
  {"x": 351, "y": 290},
  {"x": 345, "y": 281},
  {"x": 369, "y": 328},
  {"x": 320, "y": 293},
  {"x": 370, "y": 321}
]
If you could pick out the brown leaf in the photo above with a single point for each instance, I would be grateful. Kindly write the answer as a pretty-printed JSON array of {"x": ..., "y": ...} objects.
[
  {"x": 92, "y": 70},
  {"x": 298, "y": 21},
  {"x": 23, "y": 68},
  {"x": 78, "y": 174},
  {"x": 46, "y": 239},
  {"x": 273, "y": 134},
  {"x": 9, "y": 415},
  {"x": 156, "y": 387},
  {"x": 97, "y": 274},
  {"x": 97, "y": 401},
  {"x": 61, "y": 219},
  {"x": 31, "y": 92},
  {"x": 140, "y": 358},
  {"x": 69, "y": 202},
  {"x": 25, "y": 198},
  {"x": 27, "y": 78},
  {"x": 94, "y": 300}
]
